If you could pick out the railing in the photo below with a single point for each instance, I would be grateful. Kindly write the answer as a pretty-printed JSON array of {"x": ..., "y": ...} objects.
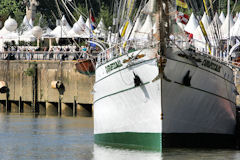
[
  {"x": 123, "y": 49},
  {"x": 42, "y": 55}
]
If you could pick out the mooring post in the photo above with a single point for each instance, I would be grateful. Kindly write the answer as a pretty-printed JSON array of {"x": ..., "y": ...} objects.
[
  {"x": 74, "y": 107},
  {"x": 59, "y": 105},
  {"x": 20, "y": 104},
  {"x": 34, "y": 86},
  {"x": 6, "y": 102}
]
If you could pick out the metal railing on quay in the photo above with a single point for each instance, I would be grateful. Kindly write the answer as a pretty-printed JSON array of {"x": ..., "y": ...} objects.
[{"x": 42, "y": 55}]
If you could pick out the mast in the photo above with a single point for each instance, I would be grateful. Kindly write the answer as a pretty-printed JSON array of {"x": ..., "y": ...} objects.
[
  {"x": 229, "y": 38},
  {"x": 161, "y": 34}
]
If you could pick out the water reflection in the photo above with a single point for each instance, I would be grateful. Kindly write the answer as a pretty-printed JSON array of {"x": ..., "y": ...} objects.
[
  {"x": 106, "y": 153},
  {"x": 25, "y": 137}
]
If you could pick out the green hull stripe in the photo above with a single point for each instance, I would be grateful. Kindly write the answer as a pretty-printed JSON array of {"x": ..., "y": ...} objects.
[{"x": 130, "y": 140}]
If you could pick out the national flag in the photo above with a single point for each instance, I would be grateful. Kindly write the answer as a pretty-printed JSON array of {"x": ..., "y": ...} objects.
[
  {"x": 181, "y": 3},
  {"x": 183, "y": 18},
  {"x": 92, "y": 20}
]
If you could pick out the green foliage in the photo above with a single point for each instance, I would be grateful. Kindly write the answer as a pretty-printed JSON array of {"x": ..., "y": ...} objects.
[
  {"x": 106, "y": 15},
  {"x": 30, "y": 71},
  {"x": 81, "y": 10},
  {"x": 13, "y": 8}
]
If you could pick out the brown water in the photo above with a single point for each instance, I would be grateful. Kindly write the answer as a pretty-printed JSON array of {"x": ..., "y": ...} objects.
[{"x": 27, "y": 137}]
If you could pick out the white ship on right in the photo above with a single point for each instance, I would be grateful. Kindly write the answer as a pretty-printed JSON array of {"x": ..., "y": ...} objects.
[{"x": 151, "y": 95}]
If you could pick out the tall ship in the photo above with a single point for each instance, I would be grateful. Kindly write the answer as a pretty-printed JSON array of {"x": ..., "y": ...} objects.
[{"x": 151, "y": 92}]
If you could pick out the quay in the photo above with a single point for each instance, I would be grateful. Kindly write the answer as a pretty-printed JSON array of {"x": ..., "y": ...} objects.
[{"x": 44, "y": 87}]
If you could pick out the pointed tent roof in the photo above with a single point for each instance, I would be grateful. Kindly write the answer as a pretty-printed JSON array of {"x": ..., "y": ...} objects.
[
  {"x": 88, "y": 23},
  {"x": 146, "y": 28},
  {"x": 222, "y": 17},
  {"x": 198, "y": 32},
  {"x": 101, "y": 28},
  {"x": 235, "y": 18},
  {"x": 101, "y": 25},
  {"x": 65, "y": 22},
  {"x": 224, "y": 27},
  {"x": 60, "y": 32},
  {"x": 205, "y": 20},
  {"x": 215, "y": 23},
  {"x": 48, "y": 30},
  {"x": 199, "y": 40},
  {"x": 31, "y": 22},
  {"x": 136, "y": 28},
  {"x": 27, "y": 36},
  {"x": 81, "y": 20},
  {"x": 235, "y": 29},
  {"x": 192, "y": 24},
  {"x": 79, "y": 29},
  {"x": 216, "y": 20},
  {"x": 26, "y": 24},
  {"x": 150, "y": 7}
]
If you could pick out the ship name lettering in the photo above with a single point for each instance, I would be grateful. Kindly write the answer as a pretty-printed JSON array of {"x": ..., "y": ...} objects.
[
  {"x": 211, "y": 65},
  {"x": 113, "y": 66}
]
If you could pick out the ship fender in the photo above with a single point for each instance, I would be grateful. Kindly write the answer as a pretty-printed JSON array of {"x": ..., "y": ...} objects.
[
  {"x": 3, "y": 87},
  {"x": 137, "y": 80},
  {"x": 187, "y": 79},
  {"x": 56, "y": 84}
]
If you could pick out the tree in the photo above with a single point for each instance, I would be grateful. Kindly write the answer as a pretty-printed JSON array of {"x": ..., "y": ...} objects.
[
  {"x": 11, "y": 8},
  {"x": 106, "y": 15}
]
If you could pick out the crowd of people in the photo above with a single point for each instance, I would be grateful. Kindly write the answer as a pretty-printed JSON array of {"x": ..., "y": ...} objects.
[{"x": 12, "y": 52}]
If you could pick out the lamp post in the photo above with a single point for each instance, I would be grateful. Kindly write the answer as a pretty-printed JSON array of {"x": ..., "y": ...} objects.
[{"x": 37, "y": 32}]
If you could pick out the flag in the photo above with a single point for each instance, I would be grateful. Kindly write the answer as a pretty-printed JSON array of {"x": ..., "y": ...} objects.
[
  {"x": 181, "y": 3},
  {"x": 92, "y": 20},
  {"x": 182, "y": 17}
]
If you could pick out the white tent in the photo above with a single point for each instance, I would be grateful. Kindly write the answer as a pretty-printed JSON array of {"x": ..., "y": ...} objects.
[
  {"x": 205, "y": 20},
  {"x": 62, "y": 30},
  {"x": 235, "y": 29},
  {"x": 27, "y": 36},
  {"x": 81, "y": 20},
  {"x": 224, "y": 27},
  {"x": 222, "y": 17},
  {"x": 199, "y": 40},
  {"x": 150, "y": 7},
  {"x": 191, "y": 25},
  {"x": 213, "y": 28},
  {"x": 145, "y": 30},
  {"x": 31, "y": 22},
  {"x": 25, "y": 26},
  {"x": 235, "y": 18},
  {"x": 47, "y": 30},
  {"x": 7, "y": 36},
  {"x": 136, "y": 28},
  {"x": 101, "y": 29},
  {"x": 79, "y": 29},
  {"x": 88, "y": 23},
  {"x": 65, "y": 22}
]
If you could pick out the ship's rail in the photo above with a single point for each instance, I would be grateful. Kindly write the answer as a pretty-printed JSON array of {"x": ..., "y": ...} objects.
[{"x": 123, "y": 49}]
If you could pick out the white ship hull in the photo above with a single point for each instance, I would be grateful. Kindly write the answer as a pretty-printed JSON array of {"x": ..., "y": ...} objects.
[{"x": 163, "y": 105}]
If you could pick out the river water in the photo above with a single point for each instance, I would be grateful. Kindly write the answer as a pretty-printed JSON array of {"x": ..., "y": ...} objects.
[{"x": 28, "y": 137}]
